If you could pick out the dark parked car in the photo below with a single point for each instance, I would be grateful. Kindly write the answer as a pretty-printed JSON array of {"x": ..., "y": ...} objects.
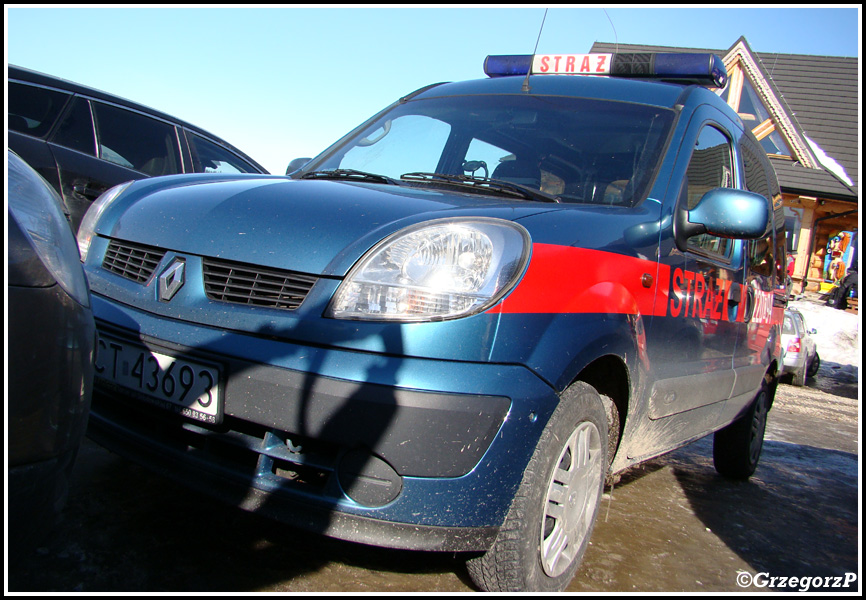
[
  {"x": 83, "y": 141},
  {"x": 448, "y": 330},
  {"x": 51, "y": 336}
]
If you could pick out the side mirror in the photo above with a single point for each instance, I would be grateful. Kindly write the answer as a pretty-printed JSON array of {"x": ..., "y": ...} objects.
[
  {"x": 727, "y": 213},
  {"x": 296, "y": 164}
]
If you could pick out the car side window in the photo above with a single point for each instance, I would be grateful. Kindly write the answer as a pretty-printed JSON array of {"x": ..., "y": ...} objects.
[
  {"x": 210, "y": 158},
  {"x": 800, "y": 323},
  {"x": 788, "y": 327},
  {"x": 756, "y": 175},
  {"x": 781, "y": 254},
  {"x": 136, "y": 141},
  {"x": 765, "y": 255},
  {"x": 33, "y": 110},
  {"x": 76, "y": 128},
  {"x": 761, "y": 256},
  {"x": 710, "y": 167}
]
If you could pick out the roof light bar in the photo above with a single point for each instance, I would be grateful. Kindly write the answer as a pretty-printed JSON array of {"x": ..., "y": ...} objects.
[{"x": 702, "y": 69}]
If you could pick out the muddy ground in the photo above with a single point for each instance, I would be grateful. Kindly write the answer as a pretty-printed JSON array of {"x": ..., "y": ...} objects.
[{"x": 671, "y": 524}]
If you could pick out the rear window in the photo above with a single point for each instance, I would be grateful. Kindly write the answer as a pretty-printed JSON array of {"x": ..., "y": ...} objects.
[{"x": 33, "y": 110}]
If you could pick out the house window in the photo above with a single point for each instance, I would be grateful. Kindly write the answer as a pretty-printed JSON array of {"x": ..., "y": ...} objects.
[
  {"x": 774, "y": 144},
  {"x": 742, "y": 96}
]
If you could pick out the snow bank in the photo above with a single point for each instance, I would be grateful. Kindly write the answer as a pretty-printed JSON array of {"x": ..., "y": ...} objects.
[{"x": 838, "y": 337}]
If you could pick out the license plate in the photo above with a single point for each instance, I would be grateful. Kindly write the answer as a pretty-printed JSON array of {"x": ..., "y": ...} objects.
[{"x": 186, "y": 386}]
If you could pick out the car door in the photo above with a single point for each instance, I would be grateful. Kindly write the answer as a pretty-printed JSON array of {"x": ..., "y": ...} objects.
[
  {"x": 32, "y": 112},
  {"x": 98, "y": 145},
  {"x": 759, "y": 337},
  {"x": 691, "y": 349}
]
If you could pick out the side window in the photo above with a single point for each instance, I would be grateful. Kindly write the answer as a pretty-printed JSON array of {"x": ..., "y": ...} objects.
[
  {"x": 135, "y": 141},
  {"x": 33, "y": 110},
  {"x": 763, "y": 251},
  {"x": 788, "y": 326},
  {"x": 210, "y": 158},
  {"x": 76, "y": 128},
  {"x": 756, "y": 174},
  {"x": 761, "y": 256},
  {"x": 781, "y": 257},
  {"x": 710, "y": 167}
]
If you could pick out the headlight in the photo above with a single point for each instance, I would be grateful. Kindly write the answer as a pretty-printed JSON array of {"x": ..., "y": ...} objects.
[
  {"x": 434, "y": 271},
  {"x": 35, "y": 206},
  {"x": 87, "y": 228}
]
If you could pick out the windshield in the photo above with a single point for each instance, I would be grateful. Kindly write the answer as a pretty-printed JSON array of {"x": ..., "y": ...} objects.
[{"x": 576, "y": 149}]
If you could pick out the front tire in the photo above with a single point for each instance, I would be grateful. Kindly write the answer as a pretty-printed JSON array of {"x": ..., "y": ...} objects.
[
  {"x": 737, "y": 447},
  {"x": 547, "y": 529}
]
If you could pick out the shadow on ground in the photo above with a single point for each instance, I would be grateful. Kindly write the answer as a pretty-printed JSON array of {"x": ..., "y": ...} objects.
[
  {"x": 796, "y": 517},
  {"x": 126, "y": 529}
]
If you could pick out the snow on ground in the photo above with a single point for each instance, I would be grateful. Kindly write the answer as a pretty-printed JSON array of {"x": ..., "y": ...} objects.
[
  {"x": 830, "y": 402},
  {"x": 838, "y": 337}
]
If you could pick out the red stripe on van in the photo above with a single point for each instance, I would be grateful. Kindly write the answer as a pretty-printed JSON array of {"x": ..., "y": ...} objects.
[{"x": 564, "y": 279}]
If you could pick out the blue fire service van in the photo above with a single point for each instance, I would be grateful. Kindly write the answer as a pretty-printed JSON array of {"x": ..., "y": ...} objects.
[{"x": 448, "y": 330}]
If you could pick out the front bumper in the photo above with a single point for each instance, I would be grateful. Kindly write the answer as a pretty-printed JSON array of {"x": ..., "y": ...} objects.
[{"x": 397, "y": 452}]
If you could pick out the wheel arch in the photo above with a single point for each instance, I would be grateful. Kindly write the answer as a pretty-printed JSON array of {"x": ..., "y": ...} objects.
[
  {"x": 609, "y": 376},
  {"x": 771, "y": 377}
]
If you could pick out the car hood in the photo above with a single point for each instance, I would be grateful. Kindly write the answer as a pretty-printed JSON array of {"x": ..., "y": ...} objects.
[{"x": 319, "y": 227}]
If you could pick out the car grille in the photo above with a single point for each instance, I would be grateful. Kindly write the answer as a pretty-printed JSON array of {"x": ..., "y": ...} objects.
[
  {"x": 253, "y": 285},
  {"x": 132, "y": 261}
]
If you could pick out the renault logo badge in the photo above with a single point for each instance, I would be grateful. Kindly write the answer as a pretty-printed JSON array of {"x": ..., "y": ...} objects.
[{"x": 171, "y": 280}]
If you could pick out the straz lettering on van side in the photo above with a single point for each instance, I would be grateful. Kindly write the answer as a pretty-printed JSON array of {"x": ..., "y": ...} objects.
[
  {"x": 699, "y": 296},
  {"x": 596, "y": 281}
]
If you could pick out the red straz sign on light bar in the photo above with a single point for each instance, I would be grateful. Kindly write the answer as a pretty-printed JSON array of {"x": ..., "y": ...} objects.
[{"x": 572, "y": 64}]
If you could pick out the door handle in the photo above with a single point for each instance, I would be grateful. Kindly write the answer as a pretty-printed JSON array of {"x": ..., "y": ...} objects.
[
  {"x": 735, "y": 297},
  {"x": 736, "y": 294}
]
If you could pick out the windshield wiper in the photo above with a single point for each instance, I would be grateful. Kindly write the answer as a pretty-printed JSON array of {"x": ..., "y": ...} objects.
[
  {"x": 351, "y": 175},
  {"x": 483, "y": 184}
]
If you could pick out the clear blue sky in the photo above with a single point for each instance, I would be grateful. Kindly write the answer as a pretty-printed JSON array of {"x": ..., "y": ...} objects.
[{"x": 282, "y": 83}]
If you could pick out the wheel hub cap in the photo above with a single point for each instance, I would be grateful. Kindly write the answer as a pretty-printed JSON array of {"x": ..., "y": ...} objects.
[{"x": 572, "y": 496}]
